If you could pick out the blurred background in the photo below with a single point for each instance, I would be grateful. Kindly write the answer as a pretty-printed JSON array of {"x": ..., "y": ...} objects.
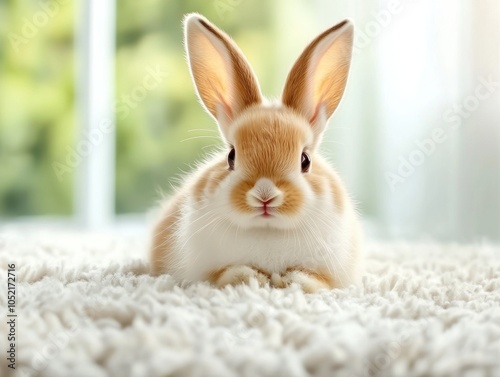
[{"x": 98, "y": 115}]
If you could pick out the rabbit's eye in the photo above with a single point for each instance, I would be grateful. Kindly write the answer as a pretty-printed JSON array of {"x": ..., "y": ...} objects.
[
  {"x": 305, "y": 162},
  {"x": 230, "y": 159}
]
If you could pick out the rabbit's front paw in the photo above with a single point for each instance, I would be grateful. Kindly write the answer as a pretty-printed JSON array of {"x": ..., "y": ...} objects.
[
  {"x": 309, "y": 281},
  {"x": 235, "y": 275}
]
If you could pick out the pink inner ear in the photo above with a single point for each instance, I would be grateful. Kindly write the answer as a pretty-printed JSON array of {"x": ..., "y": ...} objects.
[
  {"x": 224, "y": 114},
  {"x": 224, "y": 106},
  {"x": 227, "y": 110},
  {"x": 313, "y": 118},
  {"x": 316, "y": 112}
]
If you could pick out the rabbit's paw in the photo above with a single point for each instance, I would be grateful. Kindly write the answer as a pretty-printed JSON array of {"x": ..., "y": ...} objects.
[
  {"x": 240, "y": 274},
  {"x": 308, "y": 281}
]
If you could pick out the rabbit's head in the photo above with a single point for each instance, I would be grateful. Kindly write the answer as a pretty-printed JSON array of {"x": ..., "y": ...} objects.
[{"x": 273, "y": 177}]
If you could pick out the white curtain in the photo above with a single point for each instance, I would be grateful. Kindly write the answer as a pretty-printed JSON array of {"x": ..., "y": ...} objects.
[{"x": 417, "y": 137}]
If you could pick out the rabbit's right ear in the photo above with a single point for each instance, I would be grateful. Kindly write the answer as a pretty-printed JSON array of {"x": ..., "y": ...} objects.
[
  {"x": 223, "y": 78},
  {"x": 318, "y": 78}
]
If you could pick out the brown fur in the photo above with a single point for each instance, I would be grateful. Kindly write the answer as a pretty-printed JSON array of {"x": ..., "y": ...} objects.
[
  {"x": 274, "y": 131},
  {"x": 217, "y": 175},
  {"x": 246, "y": 83},
  {"x": 161, "y": 250},
  {"x": 213, "y": 77},
  {"x": 200, "y": 185},
  {"x": 268, "y": 140},
  {"x": 316, "y": 181},
  {"x": 330, "y": 80},
  {"x": 214, "y": 276},
  {"x": 269, "y": 145},
  {"x": 210, "y": 180},
  {"x": 322, "y": 178},
  {"x": 260, "y": 138},
  {"x": 238, "y": 196},
  {"x": 263, "y": 129},
  {"x": 320, "y": 275}
]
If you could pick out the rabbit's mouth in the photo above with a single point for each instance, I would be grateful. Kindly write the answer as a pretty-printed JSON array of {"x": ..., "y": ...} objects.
[
  {"x": 266, "y": 208},
  {"x": 266, "y": 211}
]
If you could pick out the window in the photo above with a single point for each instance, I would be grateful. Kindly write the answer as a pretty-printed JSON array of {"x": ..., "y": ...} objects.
[
  {"x": 37, "y": 107},
  {"x": 98, "y": 114}
]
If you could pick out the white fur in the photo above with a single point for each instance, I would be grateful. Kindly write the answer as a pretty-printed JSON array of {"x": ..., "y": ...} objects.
[{"x": 212, "y": 235}]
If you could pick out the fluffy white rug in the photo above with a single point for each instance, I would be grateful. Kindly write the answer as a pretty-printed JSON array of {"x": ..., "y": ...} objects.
[{"x": 87, "y": 307}]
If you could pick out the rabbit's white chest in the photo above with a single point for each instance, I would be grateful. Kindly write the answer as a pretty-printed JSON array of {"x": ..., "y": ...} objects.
[{"x": 212, "y": 247}]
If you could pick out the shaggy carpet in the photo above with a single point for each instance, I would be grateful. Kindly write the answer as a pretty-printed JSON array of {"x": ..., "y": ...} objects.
[{"x": 86, "y": 306}]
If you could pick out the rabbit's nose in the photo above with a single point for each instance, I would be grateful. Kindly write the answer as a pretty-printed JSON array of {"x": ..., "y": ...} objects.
[
  {"x": 264, "y": 193},
  {"x": 265, "y": 201}
]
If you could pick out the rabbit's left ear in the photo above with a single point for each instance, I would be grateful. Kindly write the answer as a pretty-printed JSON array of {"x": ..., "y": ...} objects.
[
  {"x": 223, "y": 78},
  {"x": 318, "y": 78}
]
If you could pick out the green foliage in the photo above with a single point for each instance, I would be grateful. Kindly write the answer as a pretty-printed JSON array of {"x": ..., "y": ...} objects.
[
  {"x": 158, "y": 137},
  {"x": 168, "y": 131},
  {"x": 37, "y": 107}
]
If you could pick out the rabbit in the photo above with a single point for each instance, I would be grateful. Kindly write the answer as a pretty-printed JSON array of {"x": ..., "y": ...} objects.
[{"x": 268, "y": 209}]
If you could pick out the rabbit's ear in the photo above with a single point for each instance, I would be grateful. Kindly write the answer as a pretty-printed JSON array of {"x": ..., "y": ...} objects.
[
  {"x": 318, "y": 78},
  {"x": 223, "y": 78}
]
